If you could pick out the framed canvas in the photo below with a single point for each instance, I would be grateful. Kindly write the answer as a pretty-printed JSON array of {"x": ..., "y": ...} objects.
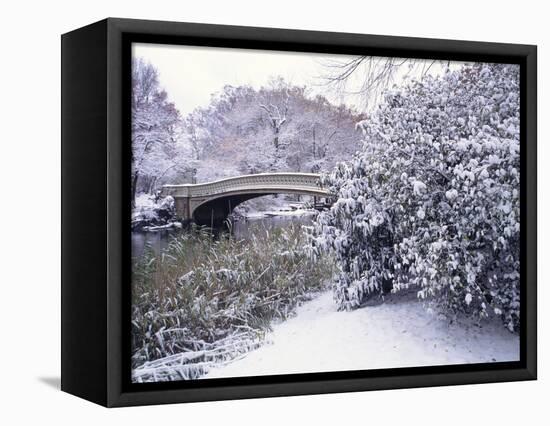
[{"x": 255, "y": 212}]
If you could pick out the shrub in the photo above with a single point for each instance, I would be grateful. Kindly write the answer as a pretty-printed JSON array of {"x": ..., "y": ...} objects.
[{"x": 432, "y": 200}]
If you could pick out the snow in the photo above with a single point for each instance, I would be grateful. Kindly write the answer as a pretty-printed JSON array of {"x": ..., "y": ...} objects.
[
  {"x": 397, "y": 333},
  {"x": 152, "y": 215},
  {"x": 419, "y": 187},
  {"x": 269, "y": 213},
  {"x": 451, "y": 194},
  {"x": 297, "y": 212},
  {"x": 269, "y": 206},
  {"x": 168, "y": 226},
  {"x": 144, "y": 201}
]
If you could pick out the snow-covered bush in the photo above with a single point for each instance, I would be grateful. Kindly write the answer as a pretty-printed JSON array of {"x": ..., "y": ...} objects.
[
  {"x": 432, "y": 200},
  {"x": 150, "y": 212}
]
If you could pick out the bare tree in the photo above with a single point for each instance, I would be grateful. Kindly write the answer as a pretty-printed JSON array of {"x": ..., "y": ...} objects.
[{"x": 369, "y": 76}]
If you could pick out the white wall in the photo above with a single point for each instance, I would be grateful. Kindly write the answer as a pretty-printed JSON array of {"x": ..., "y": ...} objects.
[{"x": 30, "y": 166}]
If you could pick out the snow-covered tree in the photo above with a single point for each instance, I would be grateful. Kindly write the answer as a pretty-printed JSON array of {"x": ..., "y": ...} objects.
[
  {"x": 432, "y": 200},
  {"x": 278, "y": 127},
  {"x": 155, "y": 127}
]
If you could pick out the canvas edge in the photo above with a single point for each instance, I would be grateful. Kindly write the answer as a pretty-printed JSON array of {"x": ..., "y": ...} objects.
[{"x": 83, "y": 189}]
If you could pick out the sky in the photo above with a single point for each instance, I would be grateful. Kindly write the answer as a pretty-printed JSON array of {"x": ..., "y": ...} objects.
[{"x": 191, "y": 74}]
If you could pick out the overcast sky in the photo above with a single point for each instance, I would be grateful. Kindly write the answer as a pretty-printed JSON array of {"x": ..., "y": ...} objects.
[{"x": 191, "y": 74}]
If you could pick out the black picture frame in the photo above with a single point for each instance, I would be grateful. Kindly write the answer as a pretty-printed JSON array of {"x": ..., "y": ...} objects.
[{"x": 95, "y": 185}]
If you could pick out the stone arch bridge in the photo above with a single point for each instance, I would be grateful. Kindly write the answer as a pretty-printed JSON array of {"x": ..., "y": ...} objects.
[{"x": 210, "y": 203}]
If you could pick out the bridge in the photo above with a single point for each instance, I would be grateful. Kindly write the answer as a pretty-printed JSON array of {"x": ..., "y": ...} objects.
[{"x": 210, "y": 203}]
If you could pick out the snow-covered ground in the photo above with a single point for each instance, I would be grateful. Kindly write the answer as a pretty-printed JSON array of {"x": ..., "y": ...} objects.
[
  {"x": 282, "y": 212},
  {"x": 270, "y": 205},
  {"x": 397, "y": 333},
  {"x": 152, "y": 215}
]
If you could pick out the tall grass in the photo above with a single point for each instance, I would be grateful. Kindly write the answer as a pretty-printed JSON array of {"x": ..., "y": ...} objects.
[{"x": 205, "y": 301}]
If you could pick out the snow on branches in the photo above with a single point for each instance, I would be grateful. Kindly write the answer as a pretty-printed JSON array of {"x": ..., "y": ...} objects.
[
  {"x": 278, "y": 127},
  {"x": 155, "y": 126},
  {"x": 432, "y": 200}
]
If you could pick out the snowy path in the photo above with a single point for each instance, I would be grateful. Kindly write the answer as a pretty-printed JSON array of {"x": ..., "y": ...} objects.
[{"x": 398, "y": 333}]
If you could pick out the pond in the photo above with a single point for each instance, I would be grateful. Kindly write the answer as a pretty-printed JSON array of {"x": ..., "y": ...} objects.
[{"x": 241, "y": 229}]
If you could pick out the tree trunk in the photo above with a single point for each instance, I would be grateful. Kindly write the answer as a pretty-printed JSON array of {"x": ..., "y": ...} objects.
[
  {"x": 134, "y": 187},
  {"x": 152, "y": 183},
  {"x": 314, "y": 147},
  {"x": 276, "y": 139}
]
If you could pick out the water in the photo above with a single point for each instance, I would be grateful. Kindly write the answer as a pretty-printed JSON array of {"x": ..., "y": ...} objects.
[
  {"x": 157, "y": 240},
  {"x": 241, "y": 230}
]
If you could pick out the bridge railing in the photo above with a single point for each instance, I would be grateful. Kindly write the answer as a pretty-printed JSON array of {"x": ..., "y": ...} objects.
[{"x": 307, "y": 181}]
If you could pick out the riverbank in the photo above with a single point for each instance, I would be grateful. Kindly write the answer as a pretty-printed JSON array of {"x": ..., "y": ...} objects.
[
  {"x": 204, "y": 301},
  {"x": 269, "y": 206},
  {"x": 397, "y": 333},
  {"x": 153, "y": 214}
]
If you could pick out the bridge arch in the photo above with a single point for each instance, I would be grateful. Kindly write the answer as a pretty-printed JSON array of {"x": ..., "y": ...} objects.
[{"x": 210, "y": 203}]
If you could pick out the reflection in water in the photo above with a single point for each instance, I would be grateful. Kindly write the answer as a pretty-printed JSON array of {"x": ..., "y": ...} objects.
[
  {"x": 156, "y": 240},
  {"x": 241, "y": 229}
]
